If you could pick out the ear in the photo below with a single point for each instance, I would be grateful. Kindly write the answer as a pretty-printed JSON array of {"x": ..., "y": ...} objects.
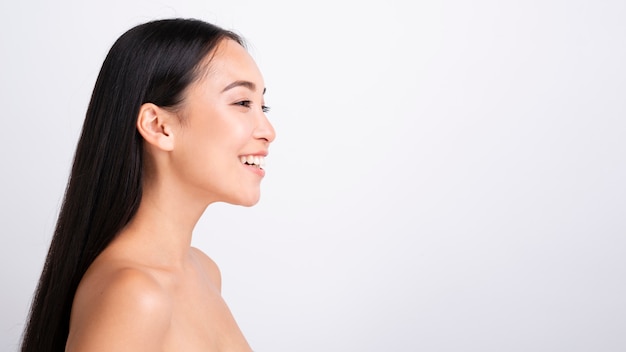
[{"x": 155, "y": 126}]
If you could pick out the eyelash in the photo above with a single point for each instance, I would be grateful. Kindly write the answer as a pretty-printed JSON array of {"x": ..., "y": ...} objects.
[{"x": 246, "y": 103}]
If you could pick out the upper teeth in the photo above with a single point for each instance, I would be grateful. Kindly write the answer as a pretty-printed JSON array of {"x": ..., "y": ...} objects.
[{"x": 256, "y": 160}]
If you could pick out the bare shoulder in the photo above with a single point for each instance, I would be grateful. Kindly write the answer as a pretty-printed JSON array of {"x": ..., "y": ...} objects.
[
  {"x": 122, "y": 308},
  {"x": 209, "y": 266}
]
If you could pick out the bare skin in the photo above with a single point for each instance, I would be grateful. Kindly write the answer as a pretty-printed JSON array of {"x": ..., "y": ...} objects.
[{"x": 149, "y": 290}]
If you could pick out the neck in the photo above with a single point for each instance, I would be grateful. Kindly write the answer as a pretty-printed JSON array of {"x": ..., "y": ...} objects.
[{"x": 163, "y": 225}]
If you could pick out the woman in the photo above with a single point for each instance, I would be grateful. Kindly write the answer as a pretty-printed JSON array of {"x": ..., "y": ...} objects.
[{"x": 176, "y": 122}]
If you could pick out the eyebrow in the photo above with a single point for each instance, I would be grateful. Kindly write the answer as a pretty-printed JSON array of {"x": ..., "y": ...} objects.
[{"x": 246, "y": 84}]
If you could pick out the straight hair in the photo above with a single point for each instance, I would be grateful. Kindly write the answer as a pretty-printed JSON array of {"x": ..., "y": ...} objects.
[{"x": 154, "y": 63}]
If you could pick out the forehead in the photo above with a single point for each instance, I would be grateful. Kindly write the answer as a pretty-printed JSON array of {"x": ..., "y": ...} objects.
[{"x": 231, "y": 62}]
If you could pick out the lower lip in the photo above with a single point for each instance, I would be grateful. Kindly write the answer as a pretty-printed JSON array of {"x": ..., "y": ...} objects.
[{"x": 255, "y": 169}]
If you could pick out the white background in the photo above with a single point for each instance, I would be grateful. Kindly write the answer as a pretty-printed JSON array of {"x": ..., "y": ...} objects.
[{"x": 447, "y": 176}]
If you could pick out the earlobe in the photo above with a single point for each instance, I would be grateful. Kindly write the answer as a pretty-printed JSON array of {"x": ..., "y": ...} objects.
[{"x": 153, "y": 123}]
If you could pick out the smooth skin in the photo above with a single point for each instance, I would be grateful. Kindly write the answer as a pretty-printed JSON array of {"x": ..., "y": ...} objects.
[{"x": 149, "y": 290}]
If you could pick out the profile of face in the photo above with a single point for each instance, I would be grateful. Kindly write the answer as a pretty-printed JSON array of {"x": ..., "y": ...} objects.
[{"x": 223, "y": 135}]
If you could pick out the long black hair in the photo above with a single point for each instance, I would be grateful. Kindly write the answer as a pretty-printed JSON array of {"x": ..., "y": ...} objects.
[{"x": 153, "y": 62}]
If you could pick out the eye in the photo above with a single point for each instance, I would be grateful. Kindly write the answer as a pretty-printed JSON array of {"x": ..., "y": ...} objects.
[
  {"x": 244, "y": 103},
  {"x": 248, "y": 104}
]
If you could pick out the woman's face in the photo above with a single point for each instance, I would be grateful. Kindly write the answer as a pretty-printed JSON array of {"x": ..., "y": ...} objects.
[{"x": 224, "y": 134}]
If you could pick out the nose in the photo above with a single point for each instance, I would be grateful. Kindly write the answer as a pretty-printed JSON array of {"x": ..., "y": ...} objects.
[{"x": 264, "y": 129}]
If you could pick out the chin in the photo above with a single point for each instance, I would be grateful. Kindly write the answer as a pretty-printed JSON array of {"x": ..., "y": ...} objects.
[
  {"x": 246, "y": 200},
  {"x": 250, "y": 204}
]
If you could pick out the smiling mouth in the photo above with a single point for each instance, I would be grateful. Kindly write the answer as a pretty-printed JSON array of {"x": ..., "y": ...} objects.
[{"x": 253, "y": 160}]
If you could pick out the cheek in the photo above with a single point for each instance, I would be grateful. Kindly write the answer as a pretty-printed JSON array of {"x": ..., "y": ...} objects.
[
  {"x": 232, "y": 134},
  {"x": 212, "y": 145},
  {"x": 207, "y": 155}
]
